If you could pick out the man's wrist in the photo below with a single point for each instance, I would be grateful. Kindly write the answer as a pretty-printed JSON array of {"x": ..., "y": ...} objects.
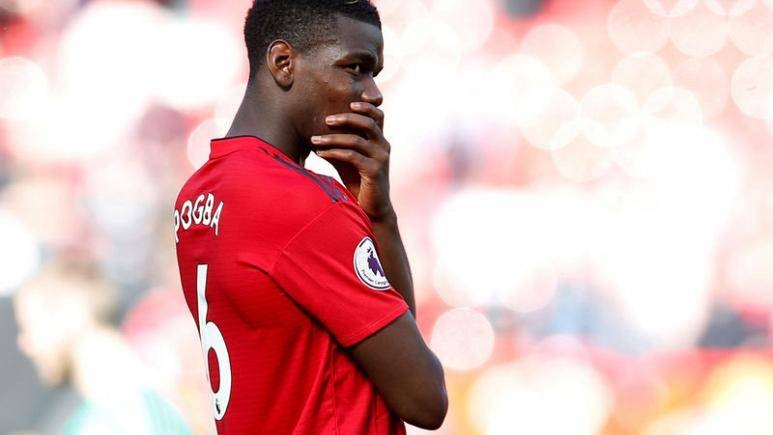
[{"x": 386, "y": 219}]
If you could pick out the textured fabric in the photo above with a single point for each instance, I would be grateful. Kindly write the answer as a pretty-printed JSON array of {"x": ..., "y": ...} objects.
[{"x": 280, "y": 271}]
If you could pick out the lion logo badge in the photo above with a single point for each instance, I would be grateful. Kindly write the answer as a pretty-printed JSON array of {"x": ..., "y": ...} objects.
[{"x": 368, "y": 266}]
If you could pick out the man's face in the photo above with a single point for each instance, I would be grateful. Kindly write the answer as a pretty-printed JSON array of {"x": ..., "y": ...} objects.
[{"x": 338, "y": 73}]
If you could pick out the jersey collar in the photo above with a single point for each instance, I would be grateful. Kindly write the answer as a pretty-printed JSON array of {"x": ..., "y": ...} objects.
[{"x": 227, "y": 145}]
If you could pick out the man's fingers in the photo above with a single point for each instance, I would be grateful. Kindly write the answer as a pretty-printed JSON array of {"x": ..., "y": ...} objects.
[
  {"x": 349, "y": 141},
  {"x": 356, "y": 121},
  {"x": 359, "y": 161},
  {"x": 370, "y": 111}
]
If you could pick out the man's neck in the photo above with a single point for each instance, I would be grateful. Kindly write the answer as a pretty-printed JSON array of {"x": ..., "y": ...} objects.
[{"x": 268, "y": 124}]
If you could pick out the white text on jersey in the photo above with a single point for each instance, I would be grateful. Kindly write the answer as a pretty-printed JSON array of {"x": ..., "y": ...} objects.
[{"x": 198, "y": 212}]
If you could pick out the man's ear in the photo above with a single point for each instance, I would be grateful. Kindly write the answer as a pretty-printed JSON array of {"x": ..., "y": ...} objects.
[{"x": 280, "y": 59}]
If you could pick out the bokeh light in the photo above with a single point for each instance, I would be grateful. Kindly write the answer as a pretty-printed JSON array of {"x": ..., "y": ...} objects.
[
  {"x": 673, "y": 222},
  {"x": 749, "y": 29},
  {"x": 530, "y": 394},
  {"x": 674, "y": 105},
  {"x": 463, "y": 339},
  {"x": 537, "y": 289},
  {"x": 632, "y": 27},
  {"x": 470, "y": 264},
  {"x": 552, "y": 122},
  {"x": 668, "y": 310},
  {"x": 557, "y": 47},
  {"x": 609, "y": 115},
  {"x": 730, "y": 8},
  {"x": 752, "y": 86},
  {"x": 431, "y": 43},
  {"x": 642, "y": 74},
  {"x": 685, "y": 422},
  {"x": 198, "y": 61},
  {"x": 581, "y": 160},
  {"x": 699, "y": 32},
  {"x": 707, "y": 81},
  {"x": 477, "y": 22},
  {"x": 671, "y": 8},
  {"x": 398, "y": 12},
  {"x": 23, "y": 89},
  {"x": 95, "y": 54},
  {"x": 63, "y": 133},
  {"x": 525, "y": 83},
  {"x": 741, "y": 395}
]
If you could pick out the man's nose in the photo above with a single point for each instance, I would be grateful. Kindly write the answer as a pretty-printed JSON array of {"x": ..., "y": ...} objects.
[{"x": 371, "y": 94}]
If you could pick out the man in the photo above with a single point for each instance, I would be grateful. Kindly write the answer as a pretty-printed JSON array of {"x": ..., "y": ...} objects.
[
  {"x": 63, "y": 316},
  {"x": 285, "y": 271}
]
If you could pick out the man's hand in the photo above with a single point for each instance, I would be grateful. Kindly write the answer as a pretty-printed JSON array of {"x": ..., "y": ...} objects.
[{"x": 361, "y": 159}]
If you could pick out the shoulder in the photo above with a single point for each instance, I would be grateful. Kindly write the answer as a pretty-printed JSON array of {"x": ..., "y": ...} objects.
[
  {"x": 272, "y": 183},
  {"x": 260, "y": 191},
  {"x": 260, "y": 178}
]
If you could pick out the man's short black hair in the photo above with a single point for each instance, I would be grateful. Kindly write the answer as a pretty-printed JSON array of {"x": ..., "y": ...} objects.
[{"x": 302, "y": 23}]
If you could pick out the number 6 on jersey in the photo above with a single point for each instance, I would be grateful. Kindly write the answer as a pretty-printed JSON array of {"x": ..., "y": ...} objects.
[{"x": 212, "y": 338}]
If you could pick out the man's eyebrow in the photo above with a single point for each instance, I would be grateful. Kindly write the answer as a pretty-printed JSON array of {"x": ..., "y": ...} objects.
[
  {"x": 367, "y": 57},
  {"x": 370, "y": 58},
  {"x": 364, "y": 56}
]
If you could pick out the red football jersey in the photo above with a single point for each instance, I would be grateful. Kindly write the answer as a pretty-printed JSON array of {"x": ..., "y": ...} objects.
[{"x": 280, "y": 271}]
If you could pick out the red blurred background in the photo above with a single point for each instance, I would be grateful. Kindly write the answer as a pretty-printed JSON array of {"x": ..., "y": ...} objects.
[{"x": 585, "y": 191}]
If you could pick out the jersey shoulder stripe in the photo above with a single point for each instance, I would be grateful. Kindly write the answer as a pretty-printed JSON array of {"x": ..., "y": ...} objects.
[{"x": 326, "y": 185}]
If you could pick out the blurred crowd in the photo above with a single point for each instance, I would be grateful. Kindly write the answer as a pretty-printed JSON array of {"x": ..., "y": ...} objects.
[{"x": 585, "y": 190}]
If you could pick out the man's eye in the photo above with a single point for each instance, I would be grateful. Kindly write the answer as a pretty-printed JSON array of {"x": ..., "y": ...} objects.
[{"x": 358, "y": 69}]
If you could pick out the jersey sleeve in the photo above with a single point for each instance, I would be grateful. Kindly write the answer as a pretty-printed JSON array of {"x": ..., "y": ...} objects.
[{"x": 332, "y": 270}]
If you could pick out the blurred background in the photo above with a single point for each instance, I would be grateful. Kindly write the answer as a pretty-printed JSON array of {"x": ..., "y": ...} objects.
[{"x": 585, "y": 191}]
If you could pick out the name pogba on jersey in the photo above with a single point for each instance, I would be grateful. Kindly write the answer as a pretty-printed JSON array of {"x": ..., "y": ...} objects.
[{"x": 198, "y": 212}]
